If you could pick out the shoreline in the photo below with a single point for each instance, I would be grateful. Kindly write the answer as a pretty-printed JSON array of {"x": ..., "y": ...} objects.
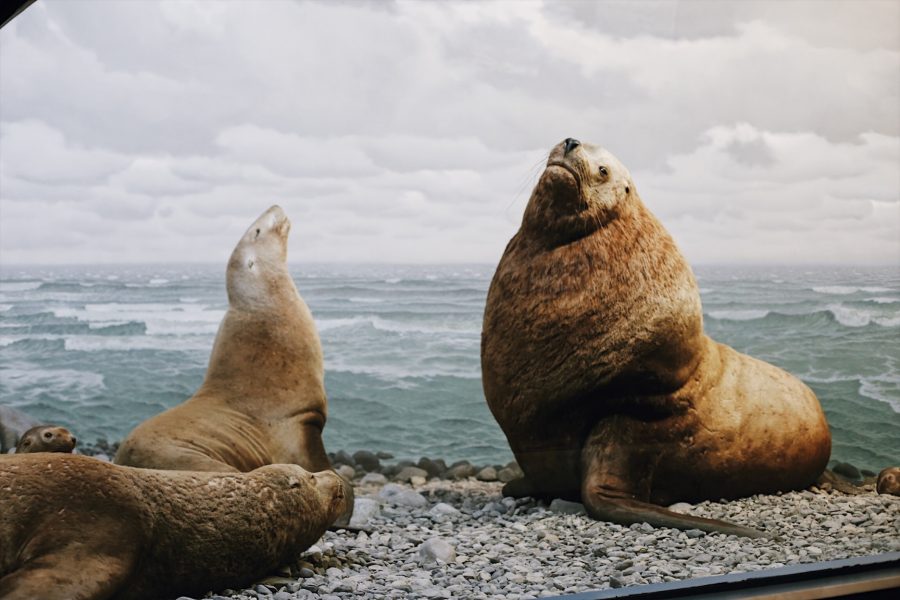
[{"x": 417, "y": 535}]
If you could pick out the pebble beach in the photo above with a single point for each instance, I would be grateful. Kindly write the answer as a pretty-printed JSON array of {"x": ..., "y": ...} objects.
[{"x": 426, "y": 530}]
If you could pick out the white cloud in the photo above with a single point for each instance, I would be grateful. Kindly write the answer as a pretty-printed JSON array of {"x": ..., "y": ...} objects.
[
  {"x": 810, "y": 203},
  {"x": 33, "y": 151},
  {"x": 414, "y": 131}
]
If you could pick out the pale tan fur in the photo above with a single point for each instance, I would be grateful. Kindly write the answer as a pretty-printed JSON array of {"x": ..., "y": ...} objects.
[{"x": 263, "y": 399}]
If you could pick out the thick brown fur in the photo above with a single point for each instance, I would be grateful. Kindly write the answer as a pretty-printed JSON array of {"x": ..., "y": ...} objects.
[
  {"x": 889, "y": 481},
  {"x": 76, "y": 527},
  {"x": 263, "y": 399},
  {"x": 597, "y": 369},
  {"x": 46, "y": 438}
]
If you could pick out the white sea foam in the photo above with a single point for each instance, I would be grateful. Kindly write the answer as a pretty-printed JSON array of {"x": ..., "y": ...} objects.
[
  {"x": 5, "y": 307},
  {"x": 19, "y": 286},
  {"x": 94, "y": 343},
  {"x": 152, "y": 283},
  {"x": 883, "y": 300},
  {"x": 160, "y": 319},
  {"x": 22, "y": 381},
  {"x": 738, "y": 315},
  {"x": 381, "y": 324},
  {"x": 858, "y": 317},
  {"x": 397, "y": 373},
  {"x": 885, "y": 388},
  {"x": 843, "y": 290}
]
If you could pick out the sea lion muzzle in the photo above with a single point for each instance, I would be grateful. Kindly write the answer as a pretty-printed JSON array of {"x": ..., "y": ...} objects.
[{"x": 571, "y": 144}]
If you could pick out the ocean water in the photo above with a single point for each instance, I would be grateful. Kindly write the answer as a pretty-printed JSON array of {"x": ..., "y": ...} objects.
[{"x": 99, "y": 349}]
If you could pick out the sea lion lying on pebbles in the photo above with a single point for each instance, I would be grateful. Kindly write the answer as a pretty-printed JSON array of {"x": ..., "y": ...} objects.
[
  {"x": 597, "y": 369},
  {"x": 75, "y": 527},
  {"x": 263, "y": 399},
  {"x": 46, "y": 438}
]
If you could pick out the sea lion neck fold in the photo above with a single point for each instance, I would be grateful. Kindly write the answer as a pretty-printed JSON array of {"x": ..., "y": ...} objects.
[{"x": 582, "y": 189}]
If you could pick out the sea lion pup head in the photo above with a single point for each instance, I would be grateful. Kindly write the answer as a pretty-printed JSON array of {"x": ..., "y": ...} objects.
[
  {"x": 583, "y": 188},
  {"x": 257, "y": 270},
  {"x": 46, "y": 438},
  {"x": 889, "y": 481}
]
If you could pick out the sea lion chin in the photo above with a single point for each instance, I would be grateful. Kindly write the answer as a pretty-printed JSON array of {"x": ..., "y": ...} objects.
[{"x": 597, "y": 369}]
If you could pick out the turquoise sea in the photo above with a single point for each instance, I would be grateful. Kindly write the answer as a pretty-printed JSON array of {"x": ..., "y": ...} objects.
[{"x": 100, "y": 348}]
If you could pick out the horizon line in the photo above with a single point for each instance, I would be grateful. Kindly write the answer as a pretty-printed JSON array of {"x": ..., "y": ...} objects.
[{"x": 4, "y": 265}]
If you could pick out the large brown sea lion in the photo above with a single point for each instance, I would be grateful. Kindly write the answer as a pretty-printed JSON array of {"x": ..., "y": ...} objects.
[
  {"x": 263, "y": 399},
  {"x": 46, "y": 438},
  {"x": 76, "y": 527},
  {"x": 597, "y": 369}
]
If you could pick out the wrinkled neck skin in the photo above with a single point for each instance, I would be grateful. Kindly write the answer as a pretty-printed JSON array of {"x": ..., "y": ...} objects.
[
  {"x": 579, "y": 192},
  {"x": 592, "y": 299}
]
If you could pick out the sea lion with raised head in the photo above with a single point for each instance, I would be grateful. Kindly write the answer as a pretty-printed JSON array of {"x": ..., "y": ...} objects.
[
  {"x": 46, "y": 438},
  {"x": 76, "y": 527},
  {"x": 263, "y": 399},
  {"x": 597, "y": 369}
]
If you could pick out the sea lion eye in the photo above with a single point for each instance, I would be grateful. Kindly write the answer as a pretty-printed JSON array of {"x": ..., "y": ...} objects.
[
  {"x": 47, "y": 435},
  {"x": 257, "y": 233},
  {"x": 604, "y": 171},
  {"x": 627, "y": 189}
]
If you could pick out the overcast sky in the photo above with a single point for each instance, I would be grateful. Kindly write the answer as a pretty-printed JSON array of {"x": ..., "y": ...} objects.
[{"x": 147, "y": 131}]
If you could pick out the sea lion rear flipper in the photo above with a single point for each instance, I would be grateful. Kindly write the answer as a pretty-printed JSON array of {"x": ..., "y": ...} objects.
[
  {"x": 626, "y": 511},
  {"x": 68, "y": 574},
  {"x": 613, "y": 477}
]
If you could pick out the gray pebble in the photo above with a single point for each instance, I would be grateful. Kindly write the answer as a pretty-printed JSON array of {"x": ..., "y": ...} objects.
[
  {"x": 373, "y": 479},
  {"x": 487, "y": 474},
  {"x": 364, "y": 510},
  {"x": 565, "y": 507},
  {"x": 436, "y": 550}
]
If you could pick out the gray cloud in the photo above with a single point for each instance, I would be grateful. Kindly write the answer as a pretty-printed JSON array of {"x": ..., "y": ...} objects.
[{"x": 142, "y": 131}]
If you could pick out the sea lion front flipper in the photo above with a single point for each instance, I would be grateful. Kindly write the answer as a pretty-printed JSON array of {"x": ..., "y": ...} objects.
[
  {"x": 69, "y": 574},
  {"x": 615, "y": 477},
  {"x": 519, "y": 488}
]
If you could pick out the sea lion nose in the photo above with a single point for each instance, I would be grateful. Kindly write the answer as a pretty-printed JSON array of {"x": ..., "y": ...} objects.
[{"x": 571, "y": 143}]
